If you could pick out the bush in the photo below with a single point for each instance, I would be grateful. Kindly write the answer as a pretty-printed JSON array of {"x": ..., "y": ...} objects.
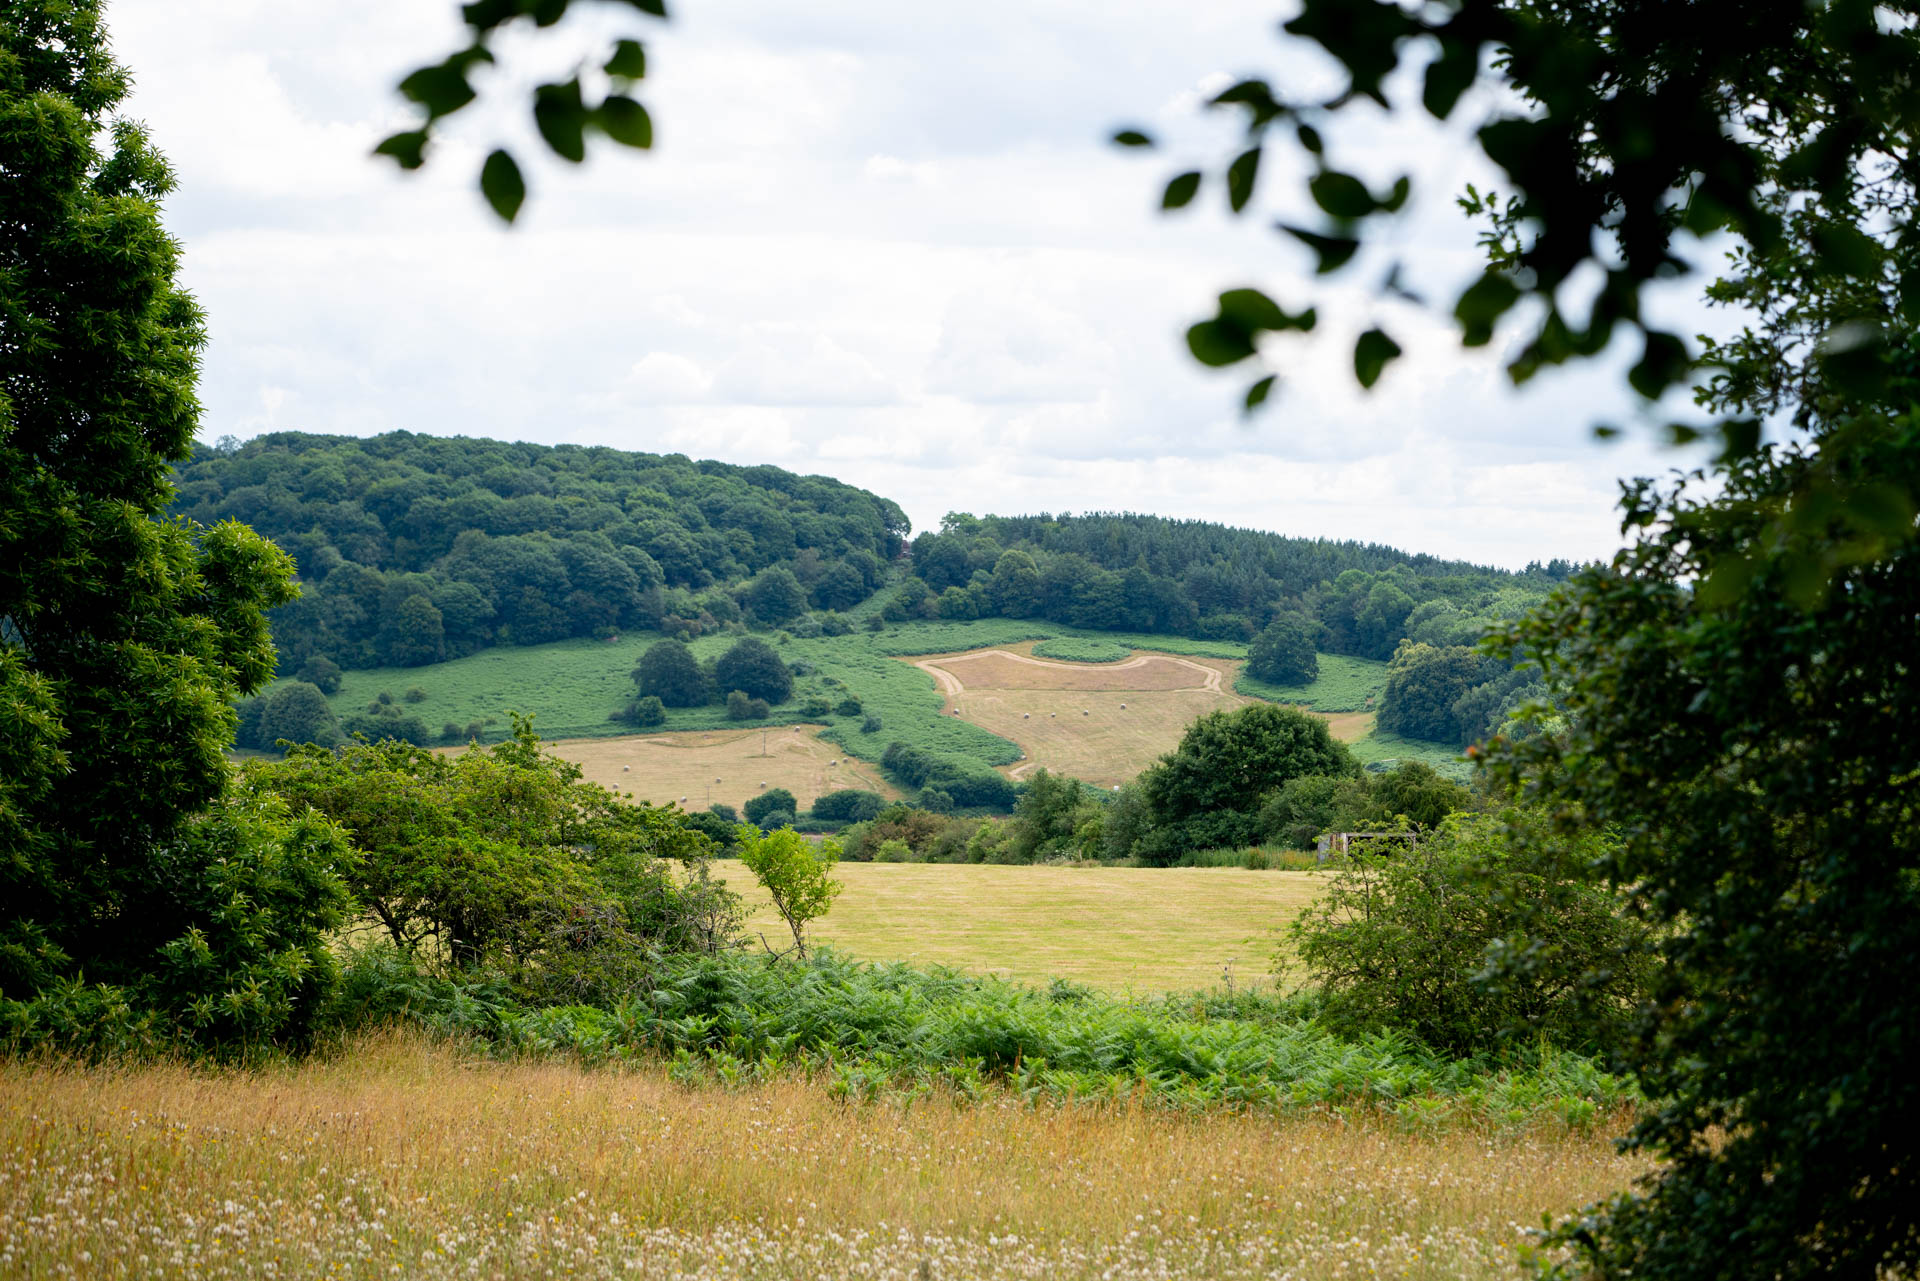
[
  {"x": 816, "y": 708},
  {"x": 646, "y": 711},
  {"x": 833, "y": 624},
  {"x": 726, "y": 812},
  {"x": 298, "y": 713},
  {"x": 848, "y": 706},
  {"x": 849, "y": 805},
  {"x": 775, "y": 800},
  {"x": 323, "y": 673},
  {"x": 1478, "y": 939},
  {"x": 893, "y": 851},
  {"x": 739, "y": 706},
  {"x": 872, "y": 724},
  {"x": 415, "y": 694}
]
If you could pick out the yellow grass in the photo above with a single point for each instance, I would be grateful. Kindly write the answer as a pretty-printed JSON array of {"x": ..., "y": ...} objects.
[
  {"x": 1118, "y": 928},
  {"x": 670, "y": 767},
  {"x": 397, "y": 1157}
]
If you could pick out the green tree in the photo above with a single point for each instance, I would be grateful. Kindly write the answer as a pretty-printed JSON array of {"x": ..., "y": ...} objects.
[
  {"x": 646, "y": 712},
  {"x": 298, "y": 713},
  {"x": 668, "y": 672},
  {"x": 775, "y": 597},
  {"x": 1207, "y": 791},
  {"x": 124, "y": 637},
  {"x": 1283, "y": 651},
  {"x": 322, "y": 673},
  {"x": 775, "y": 800},
  {"x": 798, "y": 877},
  {"x": 414, "y": 634},
  {"x": 1016, "y": 585},
  {"x": 751, "y": 665},
  {"x": 849, "y": 805},
  {"x": 1423, "y": 686}
]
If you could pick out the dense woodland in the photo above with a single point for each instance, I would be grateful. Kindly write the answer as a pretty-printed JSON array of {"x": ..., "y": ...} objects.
[{"x": 414, "y": 549}]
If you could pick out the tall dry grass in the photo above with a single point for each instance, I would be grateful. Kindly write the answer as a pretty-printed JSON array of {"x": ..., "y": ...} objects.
[{"x": 397, "y": 1155}]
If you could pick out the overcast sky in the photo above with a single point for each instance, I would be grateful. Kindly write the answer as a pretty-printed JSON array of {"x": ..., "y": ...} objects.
[{"x": 885, "y": 242}]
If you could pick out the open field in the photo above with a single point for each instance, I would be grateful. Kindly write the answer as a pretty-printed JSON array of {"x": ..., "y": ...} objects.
[
  {"x": 700, "y": 767},
  {"x": 395, "y": 1155},
  {"x": 1116, "y": 928},
  {"x": 1102, "y": 723}
]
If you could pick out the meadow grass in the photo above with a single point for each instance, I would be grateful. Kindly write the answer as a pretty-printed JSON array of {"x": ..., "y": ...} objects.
[
  {"x": 399, "y": 1154},
  {"x": 1344, "y": 685},
  {"x": 1115, "y": 928},
  {"x": 1076, "y": 649}
]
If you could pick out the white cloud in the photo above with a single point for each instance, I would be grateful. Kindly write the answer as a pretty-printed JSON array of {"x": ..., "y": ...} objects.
[{"x": 886, "y": 243}]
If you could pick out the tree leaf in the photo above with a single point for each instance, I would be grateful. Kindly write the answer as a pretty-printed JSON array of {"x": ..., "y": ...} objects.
[
  {"x": 1663, "y": 362},
  {"x": 625, "y": 121},
  {"x": 1481, "y": 306},
  {"x": 1449, "y": 76},
  {"x": 1310, "y": 139},
  {"x": 1131, "y": 138},
  {"x": 1218, "y": 342},
  {"x": 440, "y": 89},
  {"x": 1181, "y": 191},
  {"x": 1334, "y": 251},
  {"x": 657, "y": 8},
  {"x": 629, "y": 61},
  {"x": 1341, "y": 194},
  {"x": 408, "y": 149},
  {"x": 562, "y": 119},
  {"x": 1240, "y": 178},
  {"x": 1258, "y": 393},
  {"x": 502, "y": 185},
  {"x": 1371, "y": 352}
]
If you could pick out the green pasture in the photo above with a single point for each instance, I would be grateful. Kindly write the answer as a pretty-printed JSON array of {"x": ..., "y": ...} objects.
[
  {"x": 1344, "y": 685},
  {"x": 1076, "y": 649}
]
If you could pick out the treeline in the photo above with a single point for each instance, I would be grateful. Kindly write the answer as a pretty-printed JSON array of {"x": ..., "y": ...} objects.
[
  {"x": 1193, "y": 578},
  {"x": 414, "y": 549}
]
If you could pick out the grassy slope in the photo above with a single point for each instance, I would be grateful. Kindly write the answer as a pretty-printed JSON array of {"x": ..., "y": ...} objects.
[
  {"x": 573, "y": 687},
  {"x": 1117, "y": 928}
]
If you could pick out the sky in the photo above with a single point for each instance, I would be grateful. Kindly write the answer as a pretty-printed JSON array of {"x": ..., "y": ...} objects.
[{"x": 886, "y": 243}]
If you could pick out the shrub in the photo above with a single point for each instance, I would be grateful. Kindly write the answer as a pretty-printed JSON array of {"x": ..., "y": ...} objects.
[
  {"x": 816, "y": 708},
  {"x": 893, "y": 851},
  {"x": 833, "y": 624},
  {"x": 298, "y": 713},
  {"x": 415, "y": 694},
  {"x": 848, "y": 706},
  {"x": 1477, "y": 938},
  {"x": 739, "y": 706},
  {"x": 849, "y": 805},
  {"x": 872, "y": 724},
  {"x": 323, "y": 673},
  {"x": 646, "y": 711},
  {"x": 726, "y": 812}
]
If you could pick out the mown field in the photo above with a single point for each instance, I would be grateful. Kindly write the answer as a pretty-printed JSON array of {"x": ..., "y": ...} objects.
[
  {"x": 398, "y": 1155},
  {"x": 1116, "y": 928},
  {"x": 700, "y": 767}
]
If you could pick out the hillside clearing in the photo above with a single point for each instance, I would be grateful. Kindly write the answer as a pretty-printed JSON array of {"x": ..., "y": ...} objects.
[{"x": 1115, "y": 928}]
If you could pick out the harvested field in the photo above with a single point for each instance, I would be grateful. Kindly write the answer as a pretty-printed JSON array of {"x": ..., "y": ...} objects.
[
  {"x": 1008, "y": 669},
  {"x": 1117, "y": 928},
  {"x": 399, "y": 1156},
  {"x": 1102, "y": 723},
  {"x": 667, "y": 767}
]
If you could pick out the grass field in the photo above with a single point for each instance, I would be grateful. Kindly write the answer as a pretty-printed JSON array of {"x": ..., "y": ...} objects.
[
  {"x": 1075, "y": 649},
  {"x": 395, "y": 1155},
  {"x": 1116, "y": 928},
  {"x": 1344, "y": 685},
  {"x": 700, "y": 767}
]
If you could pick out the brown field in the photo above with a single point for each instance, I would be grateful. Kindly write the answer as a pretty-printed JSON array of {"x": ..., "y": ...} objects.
[
  {"x": 669, "y": 767},
  {"x": 1010, "y": 669},
  {"x": 398, "y": 1156},
  {"x": 1099, "y": 722},
  {"x": 1117, "y": 928}
]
